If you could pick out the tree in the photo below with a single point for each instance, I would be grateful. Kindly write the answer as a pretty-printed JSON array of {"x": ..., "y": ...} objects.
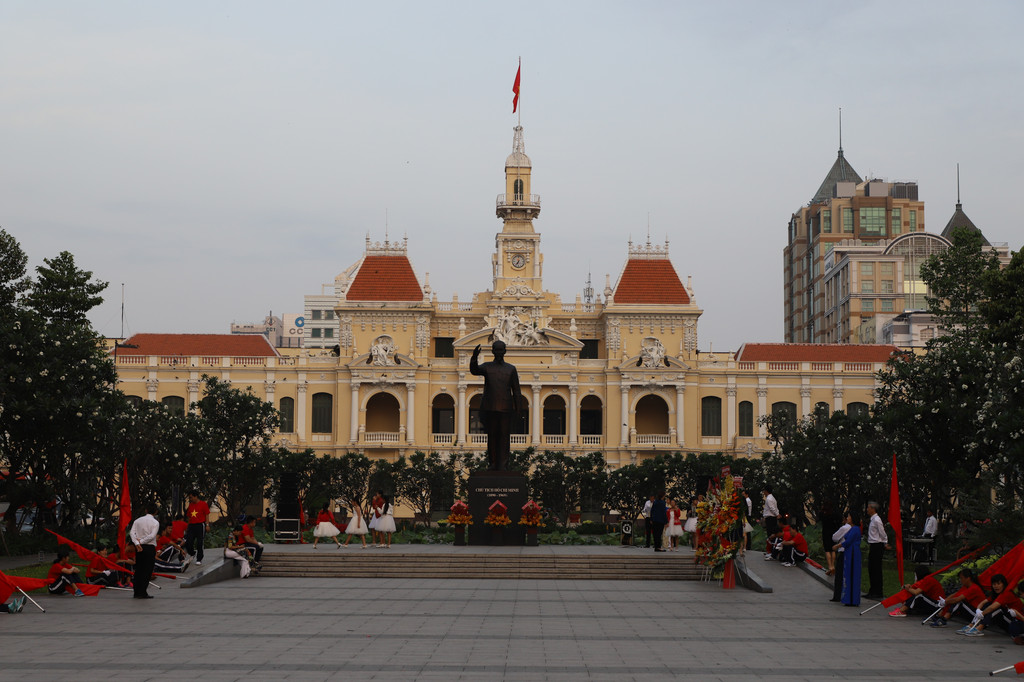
[
  {"x": 62, "y": 294},
  {"x": 353, "y": 480},
  {"x": 956, "y": 281},
  {"x": 13, "y": 282},
  {"x": 562, "y": 482},
  {"x": 237, "y": 428},
  {"x": 427, "y": 483}
]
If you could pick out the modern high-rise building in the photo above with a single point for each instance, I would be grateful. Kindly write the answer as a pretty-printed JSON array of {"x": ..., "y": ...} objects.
[{"x": 846, "y": 209}]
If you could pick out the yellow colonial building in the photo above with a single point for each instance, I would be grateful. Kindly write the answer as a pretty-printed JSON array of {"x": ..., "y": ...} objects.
[{"x": 621, "y": 374}]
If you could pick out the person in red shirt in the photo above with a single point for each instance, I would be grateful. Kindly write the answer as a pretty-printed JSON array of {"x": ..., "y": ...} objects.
[
  {"x": 196, "y": 514},
  {"x": 98, "y": 572},
  {"x": 999, "y": 606},
  {"x": 178, "y": 529},
  {"x": 325, "y": 527},
  {"x": 967, "y": 599},
  {"x": 794, "y": 546},
  {"x": 249, "y": 539},
  {"x": 63, "y": 575},
  {"x": 925, "y": 594},
  {"x": 170, "y": 556}
]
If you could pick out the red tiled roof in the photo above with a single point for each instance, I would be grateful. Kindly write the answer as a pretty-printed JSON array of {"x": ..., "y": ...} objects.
[
  {"x": 650, "y": 281},
  {"x": 814, "y": 352},
  {"x": 385, "y": 278},
  {"x": 234, "y": 345}
]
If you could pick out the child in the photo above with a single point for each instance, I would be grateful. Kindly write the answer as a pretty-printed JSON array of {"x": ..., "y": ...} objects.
[
  {"x": 357, "y": 525},
  {"x": 386, "y": 522},
  {"x": 325, "y": 527}
]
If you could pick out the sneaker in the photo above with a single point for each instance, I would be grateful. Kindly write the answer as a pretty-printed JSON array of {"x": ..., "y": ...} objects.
[
  {"x": 897, "y": 614},
  {"x": 964, "y": 629},
  {"x": 18, "y": 604},
  {"x": 787, "y": 564},
  {"x": 79, "y": 593},
  {"x": 767, "y": 557},
  {"x": 938, "y": 622},
  {"x": 974, "y": 632},
  {"x": 199, "y": 563}
]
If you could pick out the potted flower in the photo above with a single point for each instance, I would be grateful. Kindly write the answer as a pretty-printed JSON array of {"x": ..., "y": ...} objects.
[
  {"x": 497, "y": 519},
  {"x": 459, "y": 518},
  {"x": 531, "y": 520}
]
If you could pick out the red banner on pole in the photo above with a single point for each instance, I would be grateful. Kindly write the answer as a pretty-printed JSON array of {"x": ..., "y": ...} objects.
[
  {"x": 125, "y": 508},
  {"x": 515, "y": 89},
  {"x": 895, "y": 520}
]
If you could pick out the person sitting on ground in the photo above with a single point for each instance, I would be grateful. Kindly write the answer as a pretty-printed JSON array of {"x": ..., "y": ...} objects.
[
  {"x": 178, "y": 528},
  {"x": 793, "y": 549},
  {"x": 169, "y": 550},
  {"x": 999, "y": 606},
  {"x": 926, "y": 594},
  {"x": 127, "y": 561},
  {"x": 99, "y": 572},
  {"x": 785, "y": 532},
  {"x": 249, "y": 538},
  {"x": 63, "y": 575},
  {"x": 234, "y": 549},
  {"x": 966, "y": 599}
]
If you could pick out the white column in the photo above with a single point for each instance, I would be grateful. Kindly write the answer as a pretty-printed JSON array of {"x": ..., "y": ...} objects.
[
  {"x": 536, "y": 411},
  {"x": 574, "y": 409},
  {"x": 730, "y": 414},
  {"x": 151, "y": 386},
  {"x": 353, "y": 414},
  {"x": 461, "y": 415},
  {"x": 624, "y": 418},
  {"x": 837, "y": 398},
  {"x": 268, "y": 390},
  {"x": 300, "y": 409},
  {"x": 193, "y": 394},
  {"x": 680, "y": 415},
  {"x": 805, "y": 401},
  {"x": 410, "y": 412},
  {"x": 762, "y": 409}
]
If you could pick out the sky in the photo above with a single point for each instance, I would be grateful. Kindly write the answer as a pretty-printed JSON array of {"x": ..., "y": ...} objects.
[{"x": 222, "y": 160}]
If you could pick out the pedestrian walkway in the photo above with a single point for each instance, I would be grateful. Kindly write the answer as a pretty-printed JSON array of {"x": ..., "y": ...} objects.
[{"x": 473, "y": 629}]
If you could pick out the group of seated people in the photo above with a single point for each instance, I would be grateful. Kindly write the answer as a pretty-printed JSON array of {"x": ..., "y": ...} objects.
[
  {"x": 788, "y": 546},
  {"x": 242, "y": 546},
  {"x": 999, "y": 605}
]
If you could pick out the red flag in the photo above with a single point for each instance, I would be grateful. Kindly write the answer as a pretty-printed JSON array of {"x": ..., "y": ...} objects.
[
  {"x": 13, "y": 582},
  {"x": 903, "y": 595},
  {"x": 894, "y": 519},
  {"x": 125, "y": 509},
  {"x": 1019, "y": 668},
  {"x": 515, "y": 89}
]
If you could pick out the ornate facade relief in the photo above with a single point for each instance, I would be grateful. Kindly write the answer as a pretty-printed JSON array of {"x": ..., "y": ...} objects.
[
  {"x": 514, "y": 332},
  {"x": 382, "y": 352},
  {"x": 422, "y": 331},
  {"x": 652, "y": 353},
  {"x": 345, "y": 330},
  {"x": 690, "y": 337},
  {"x": 612, "y": 336}
]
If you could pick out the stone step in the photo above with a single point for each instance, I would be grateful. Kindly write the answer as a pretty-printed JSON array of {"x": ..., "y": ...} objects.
[{"x": 347, "y": 564}]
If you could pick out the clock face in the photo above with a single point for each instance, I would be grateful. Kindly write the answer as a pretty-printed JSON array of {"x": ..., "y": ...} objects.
[{"x": 518, "y": 260}]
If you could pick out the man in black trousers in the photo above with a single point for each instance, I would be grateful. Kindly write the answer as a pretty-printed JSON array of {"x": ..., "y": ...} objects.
[
  {"x": 143, "y": 535},
  {"x": 659, "y": 517}
]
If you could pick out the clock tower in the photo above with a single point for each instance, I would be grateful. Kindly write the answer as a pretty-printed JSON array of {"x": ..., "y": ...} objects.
[{"x": 517, "y": 259}]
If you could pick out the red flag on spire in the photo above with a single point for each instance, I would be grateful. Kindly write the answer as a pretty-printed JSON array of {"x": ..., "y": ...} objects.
[
  {"x": 125, "y": 509},
  {"x": 515, "y": 89},
  {"x": 894, "y": 519}
]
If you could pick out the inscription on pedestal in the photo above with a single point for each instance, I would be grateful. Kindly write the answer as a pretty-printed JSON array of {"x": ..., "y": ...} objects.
[{"x": 485, "y": 487}]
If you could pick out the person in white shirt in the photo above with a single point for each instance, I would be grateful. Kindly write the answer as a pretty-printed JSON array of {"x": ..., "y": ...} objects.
[
  {"x": 143, "y": 535},
  {"x": 837, "y": 545},
  {"x": 648, "y": 534},
  {"x": 878, "y": 542},
  {"x": 931, "y": 526},
  {"x": 770, "y": 517}
]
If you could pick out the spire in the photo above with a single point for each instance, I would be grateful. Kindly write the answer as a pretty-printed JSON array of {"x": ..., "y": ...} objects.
[
  {"x": 518, "y": 157},
  {"x": 841, "y": 171},
  {"x": 959, "y": 218},
  {"x": 958, "y": 205},
  {"x": 840, "y": 131}
]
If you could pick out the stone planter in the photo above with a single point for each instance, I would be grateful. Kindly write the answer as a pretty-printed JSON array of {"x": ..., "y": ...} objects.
[{"x": 460, "y": 535}]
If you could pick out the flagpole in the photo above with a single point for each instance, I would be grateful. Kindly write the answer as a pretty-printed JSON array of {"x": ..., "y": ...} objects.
[
  {"x": 519, "y": 108},
  {"x": 32, "y": 600}
]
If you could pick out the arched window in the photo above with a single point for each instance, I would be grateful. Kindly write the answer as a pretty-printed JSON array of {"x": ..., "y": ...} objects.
[
  {"x": 711, "y": 416},
  {"x": 746, "y": 418},
  {"x": 135, "y": 400},
  {"x": 287, "y": 413},
  {"x": 323, "y": 411},
  {"x": 442, "y": 414},
  {"x": 554, "y": 416},
  {"x": 858, "y": 410},
  {"x": 786, "y": 408},
  {"x": 590, "y": 416},
  {"x": 174, "y": 404},
  {"x": 517, "y": 189}
]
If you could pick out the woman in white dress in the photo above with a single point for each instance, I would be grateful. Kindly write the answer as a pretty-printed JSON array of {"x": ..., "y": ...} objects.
[
  {"x": 674, "y": 527},
  {"x": 386, "y": 522},
  {"x": 691, "y": 522},
  {"x": 357, "y": 525},
  {"x": 325, "y": 527}
]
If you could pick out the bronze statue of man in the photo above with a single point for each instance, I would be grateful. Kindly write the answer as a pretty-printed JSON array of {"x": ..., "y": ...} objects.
[{"x": 499, "y": 403}]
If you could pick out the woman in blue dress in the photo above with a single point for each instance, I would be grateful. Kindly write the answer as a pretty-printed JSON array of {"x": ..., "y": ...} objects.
[{"x": 851, "y": 561}]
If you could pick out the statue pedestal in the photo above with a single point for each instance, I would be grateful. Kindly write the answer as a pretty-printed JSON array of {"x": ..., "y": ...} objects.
[{"x": 512, "y": 488}]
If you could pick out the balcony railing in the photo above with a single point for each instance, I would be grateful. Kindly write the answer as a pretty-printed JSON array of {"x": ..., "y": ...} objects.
[
  {"x": 513, "y": 200},
  {"x": 381, "y": 437},
  {"x": 554, "y": 439},
  {"x": 444, "y": 438},
  {"x": 591, "y": 440},
  {"x": 653, "y": 439},
  {"x": 516, "y": 439}
]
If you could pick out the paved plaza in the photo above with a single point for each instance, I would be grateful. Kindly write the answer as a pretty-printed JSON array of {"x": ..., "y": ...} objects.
[{"x": 471, "y": 629}]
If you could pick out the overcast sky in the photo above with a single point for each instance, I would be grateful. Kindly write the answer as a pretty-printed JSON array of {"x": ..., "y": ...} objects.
[{"x": 224, "y": 159}]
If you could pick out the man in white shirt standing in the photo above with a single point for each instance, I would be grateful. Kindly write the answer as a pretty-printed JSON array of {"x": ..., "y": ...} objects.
[
  {"x": 648, "y": 530},
  {"x": 878, "y": 542},
  {"x": 143, "y": 535},
  {"x": 931, "y": 526},
  {"x": 770, "y": 518}
]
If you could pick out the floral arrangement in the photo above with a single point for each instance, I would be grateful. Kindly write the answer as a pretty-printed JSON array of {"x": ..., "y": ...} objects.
[
  {"x": 531, "y": 515},
  {"x": 497, "y": 515},
  {"x": 717, "y": 517},
  {"x": 459, "y": 515}
]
